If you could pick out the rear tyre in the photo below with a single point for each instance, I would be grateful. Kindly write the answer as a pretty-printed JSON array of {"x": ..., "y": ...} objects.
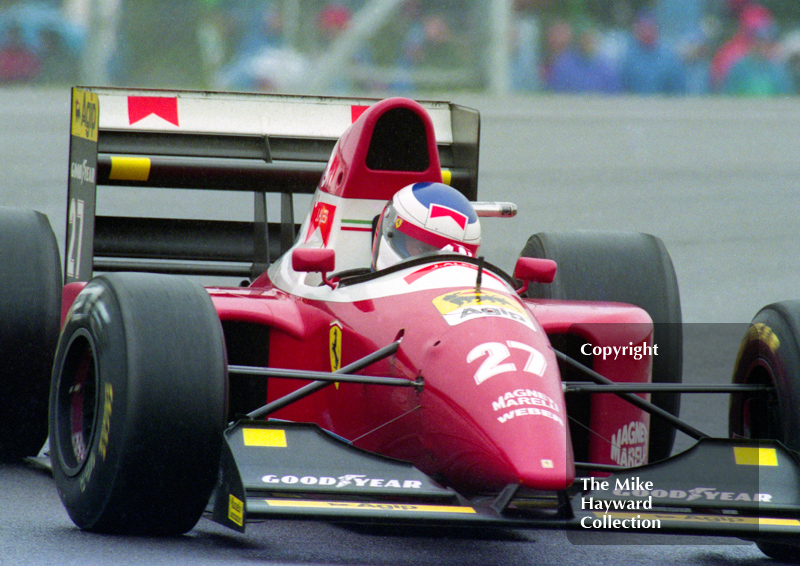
[
  {"x": 138, "y": 405},
  {"x": 770, "y": 355},
  {"x": 628, "y": 268},
  {"x": 30, "y": 316}
]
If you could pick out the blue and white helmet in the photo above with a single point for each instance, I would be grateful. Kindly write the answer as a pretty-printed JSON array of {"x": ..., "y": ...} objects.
[{"x": 424, "y": 218}]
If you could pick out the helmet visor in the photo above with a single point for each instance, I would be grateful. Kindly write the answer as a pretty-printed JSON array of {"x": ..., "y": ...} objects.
[{"x": 408, "y": 240}]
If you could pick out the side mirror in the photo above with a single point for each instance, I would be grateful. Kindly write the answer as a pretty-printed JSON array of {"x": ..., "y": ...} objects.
[
  {"x": 314, "y": 260},
  {"x": 534, "y": 269}
]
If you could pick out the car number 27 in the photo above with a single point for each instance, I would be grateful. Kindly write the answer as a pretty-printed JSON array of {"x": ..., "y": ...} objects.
[
  {"x": 497, "y": 354},
  {"x": 75, "y": 244}
]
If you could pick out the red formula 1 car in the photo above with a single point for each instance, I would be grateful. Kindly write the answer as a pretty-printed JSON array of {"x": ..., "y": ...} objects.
[{"x": 436, "y": 389}]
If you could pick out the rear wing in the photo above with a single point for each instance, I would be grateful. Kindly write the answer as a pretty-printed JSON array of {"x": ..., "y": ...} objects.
[{"x": 258, "y": 143}]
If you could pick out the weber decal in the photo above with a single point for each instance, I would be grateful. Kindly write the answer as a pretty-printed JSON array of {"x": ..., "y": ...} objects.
[
  {"x": 465, "y": 305},
  {"x": 526, "y": 402}
]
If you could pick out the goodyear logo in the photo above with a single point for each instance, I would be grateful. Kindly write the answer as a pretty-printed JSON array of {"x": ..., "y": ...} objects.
[
  {"x": 85, "y": 114},
  {"x": 468, "y": 304}
]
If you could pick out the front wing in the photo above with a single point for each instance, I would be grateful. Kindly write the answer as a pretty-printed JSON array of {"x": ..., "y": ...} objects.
[{"x": 275, "y": 469}]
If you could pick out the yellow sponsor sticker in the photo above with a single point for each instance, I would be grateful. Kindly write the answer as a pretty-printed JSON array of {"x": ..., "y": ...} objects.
[
  {"x": 236, "y": 510},
  {"x": 451, "y": 302},
  {"x": 468, "y": 304},
  {"x": 85, "y": 114},
  {"x": 754, "y": 456},
  {"x": 264, "y": 437},
  {"x": 350, "y": 505},
  {"x": 129, "y": 168}
]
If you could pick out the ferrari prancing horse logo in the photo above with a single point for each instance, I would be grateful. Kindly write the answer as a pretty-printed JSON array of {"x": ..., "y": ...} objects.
[{"x": 335, "y": 348}]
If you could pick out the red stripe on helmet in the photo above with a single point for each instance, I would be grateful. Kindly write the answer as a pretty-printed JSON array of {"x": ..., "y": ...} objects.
[
  {"x": 439, "y": 211},
  {"x": 434, "y": 239}
]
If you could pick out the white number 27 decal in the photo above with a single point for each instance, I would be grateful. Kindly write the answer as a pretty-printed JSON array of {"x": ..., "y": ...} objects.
[
  {"x": 76, "y": 215},
  {"x": 496, "y": 355}
]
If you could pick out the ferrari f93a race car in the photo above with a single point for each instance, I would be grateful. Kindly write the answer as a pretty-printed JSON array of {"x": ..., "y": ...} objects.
[{"x": 437, "y": 389}]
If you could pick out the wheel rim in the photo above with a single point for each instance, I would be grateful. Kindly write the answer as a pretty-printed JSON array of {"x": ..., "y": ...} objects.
[{"x": 77, "y": 404}]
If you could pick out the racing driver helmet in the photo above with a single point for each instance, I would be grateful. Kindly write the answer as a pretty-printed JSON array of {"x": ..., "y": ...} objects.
[{"x": 424, "y": 218}]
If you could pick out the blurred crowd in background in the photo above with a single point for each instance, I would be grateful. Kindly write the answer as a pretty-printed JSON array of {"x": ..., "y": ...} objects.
[{"x": 664, "y": 47}]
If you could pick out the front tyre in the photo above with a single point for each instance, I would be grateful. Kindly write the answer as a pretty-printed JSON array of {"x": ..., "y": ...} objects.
[
  {"x": 138, "y": 405},
  {"x": 624, "y": 267},
  {"x": 770, "y": 355}
]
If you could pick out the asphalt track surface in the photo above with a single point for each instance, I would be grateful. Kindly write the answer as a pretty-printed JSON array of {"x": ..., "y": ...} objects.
[{"x": 717, "y": 180}]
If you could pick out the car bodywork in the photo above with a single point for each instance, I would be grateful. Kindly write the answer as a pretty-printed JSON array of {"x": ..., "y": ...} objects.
[{"x": 426, "y": 392}]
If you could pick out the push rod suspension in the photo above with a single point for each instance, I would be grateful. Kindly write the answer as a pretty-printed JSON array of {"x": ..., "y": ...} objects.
[
  {"x": 632, "y": 398},
  {"x": 322, "y": 376}
]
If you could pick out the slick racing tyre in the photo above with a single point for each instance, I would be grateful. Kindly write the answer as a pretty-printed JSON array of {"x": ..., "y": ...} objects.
[
  {"x": 628, "y": 268},
  {"x": 770, "y": 355},
  {"x": 138, "y": 405},
  {"x": 30, "y": 316}
]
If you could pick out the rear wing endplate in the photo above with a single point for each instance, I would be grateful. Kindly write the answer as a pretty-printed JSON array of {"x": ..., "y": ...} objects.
[{"x": 258, "y": 143}]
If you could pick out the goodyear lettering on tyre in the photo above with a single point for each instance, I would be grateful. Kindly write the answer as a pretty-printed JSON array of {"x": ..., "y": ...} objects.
[
  {"x": 87, "y": 473},
  {"x": 762, "y": 334},
  {"x": 106, "y": 426},
  {"x": 765, "y": 335},
  {"x": 102, "y": 445}
]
